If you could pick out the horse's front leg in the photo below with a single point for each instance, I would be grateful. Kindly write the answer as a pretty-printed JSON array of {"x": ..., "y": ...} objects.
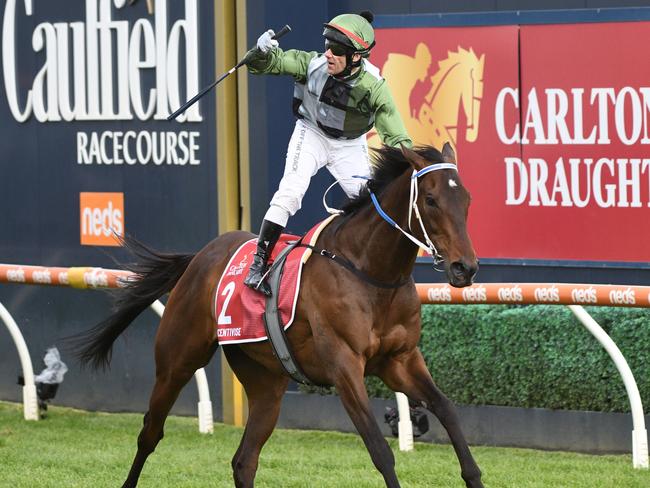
[
  {"x": 408, "y": 374},
  {"x": 352, "y": 390}
]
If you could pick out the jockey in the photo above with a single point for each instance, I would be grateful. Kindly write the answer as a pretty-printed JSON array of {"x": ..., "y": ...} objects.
[{"x": 338, "y": 97}]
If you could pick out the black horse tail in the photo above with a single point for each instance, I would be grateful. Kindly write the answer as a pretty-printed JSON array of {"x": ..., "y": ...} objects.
[{"x": 155, "y": 274}]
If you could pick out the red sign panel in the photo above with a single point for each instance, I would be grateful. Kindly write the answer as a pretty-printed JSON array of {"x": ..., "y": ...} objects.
[{"x": 550, "y": 126}]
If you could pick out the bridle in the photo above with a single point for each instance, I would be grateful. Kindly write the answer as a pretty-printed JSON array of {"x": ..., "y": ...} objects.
[{"x": 413, "y": 209}]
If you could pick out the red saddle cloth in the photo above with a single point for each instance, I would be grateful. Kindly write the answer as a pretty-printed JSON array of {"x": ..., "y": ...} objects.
[{"x": 238, "y": 310}]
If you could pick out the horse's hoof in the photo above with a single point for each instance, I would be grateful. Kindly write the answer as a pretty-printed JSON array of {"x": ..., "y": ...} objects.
[{"x": 476, "y": 483}]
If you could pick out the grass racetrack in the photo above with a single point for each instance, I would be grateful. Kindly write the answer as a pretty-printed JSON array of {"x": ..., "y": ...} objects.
[{"x": 72, "y": 448}]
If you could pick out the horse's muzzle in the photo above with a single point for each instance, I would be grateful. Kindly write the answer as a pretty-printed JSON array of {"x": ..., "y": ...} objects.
[{"x": 462, "y": 273}]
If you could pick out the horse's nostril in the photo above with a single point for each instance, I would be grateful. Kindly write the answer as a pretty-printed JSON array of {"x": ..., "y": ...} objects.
[
  {"x": 462, "y": 270},
  {"x": 458, "y": 268}
]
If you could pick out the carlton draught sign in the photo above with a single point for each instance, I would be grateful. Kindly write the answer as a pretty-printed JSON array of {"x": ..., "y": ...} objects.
[{"x": 551, "y": 127}]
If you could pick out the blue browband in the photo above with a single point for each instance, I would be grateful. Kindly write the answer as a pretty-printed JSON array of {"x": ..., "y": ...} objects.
[{"x": 434, "y": 167}]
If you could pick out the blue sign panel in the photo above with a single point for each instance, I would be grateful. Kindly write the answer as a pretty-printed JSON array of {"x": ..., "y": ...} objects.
[{"x": 87, "y": 153}]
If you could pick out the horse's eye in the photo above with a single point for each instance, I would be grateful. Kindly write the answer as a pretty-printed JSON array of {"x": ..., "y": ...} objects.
[{"x": 430, "y": 201}]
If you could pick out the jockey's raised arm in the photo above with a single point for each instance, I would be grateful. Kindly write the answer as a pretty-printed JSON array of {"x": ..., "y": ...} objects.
[{"x": 338, "y": 97}]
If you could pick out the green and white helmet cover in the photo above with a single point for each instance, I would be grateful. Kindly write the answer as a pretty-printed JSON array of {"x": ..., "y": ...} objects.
[{"x": 351, "y": 30}]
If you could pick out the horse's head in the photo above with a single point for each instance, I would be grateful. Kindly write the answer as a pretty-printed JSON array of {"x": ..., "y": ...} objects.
[{"x": 443, "y": 204}]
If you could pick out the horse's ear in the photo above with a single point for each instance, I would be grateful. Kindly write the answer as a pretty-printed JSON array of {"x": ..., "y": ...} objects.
[
  {"x": 448, "y": 154},
  {"x": 417, "y": 161}
]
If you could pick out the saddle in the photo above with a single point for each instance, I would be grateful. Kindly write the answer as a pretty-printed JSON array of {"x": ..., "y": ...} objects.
[{"x": 243, "y": 315}]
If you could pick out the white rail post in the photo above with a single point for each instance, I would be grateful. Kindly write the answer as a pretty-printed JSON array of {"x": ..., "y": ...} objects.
[
  {"x": 30, "y": 399},
  {"x": 206, "y": 422},
  {"x": 639, "y": 433},
  {"x": 404, "y": 425}
]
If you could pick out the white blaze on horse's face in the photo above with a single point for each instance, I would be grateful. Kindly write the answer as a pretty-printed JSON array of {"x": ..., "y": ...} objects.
[{"x": 452, "y": 183}]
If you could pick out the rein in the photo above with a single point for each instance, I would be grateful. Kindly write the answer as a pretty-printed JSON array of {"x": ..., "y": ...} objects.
[
  {"x": 347, "y": 264},
  {"x": 413, "y": 209}
]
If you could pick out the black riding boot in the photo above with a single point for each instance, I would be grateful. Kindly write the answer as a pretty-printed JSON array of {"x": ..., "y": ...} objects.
[{"x": 269, "y": 235}]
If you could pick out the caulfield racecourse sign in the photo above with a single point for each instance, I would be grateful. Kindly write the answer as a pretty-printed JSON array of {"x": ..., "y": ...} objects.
[
  {"x": 93, "y": 70},
  {"x": 85, "y": 90}
]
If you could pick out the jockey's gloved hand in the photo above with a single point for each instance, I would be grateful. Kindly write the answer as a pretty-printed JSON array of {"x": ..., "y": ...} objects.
[{"x": 265, "y": 42}]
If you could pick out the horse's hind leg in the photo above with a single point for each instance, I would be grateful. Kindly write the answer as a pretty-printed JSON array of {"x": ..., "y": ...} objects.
[
  {"x": 264, "y": 390},
  {"x": 409, "y": 375},
  {"x": 176, "y": 362},
  {"x": 165, "y": 391}
]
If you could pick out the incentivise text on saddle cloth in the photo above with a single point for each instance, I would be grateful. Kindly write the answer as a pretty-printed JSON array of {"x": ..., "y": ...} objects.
[{"x": 338, "y": 97}]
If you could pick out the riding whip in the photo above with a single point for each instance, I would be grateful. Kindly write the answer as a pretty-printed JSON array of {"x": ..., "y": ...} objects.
[{"x": 241, "y": 63}]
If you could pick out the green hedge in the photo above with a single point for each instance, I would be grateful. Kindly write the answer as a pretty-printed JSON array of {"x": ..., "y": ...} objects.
[{"x": 532, "y": 356}]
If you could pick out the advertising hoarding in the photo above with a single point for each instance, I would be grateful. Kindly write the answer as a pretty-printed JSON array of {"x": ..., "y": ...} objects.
[
  {"x": 86, "y": 89},
  {"x": 550, "y": 127},
  {"x": 86, "y": 153}
]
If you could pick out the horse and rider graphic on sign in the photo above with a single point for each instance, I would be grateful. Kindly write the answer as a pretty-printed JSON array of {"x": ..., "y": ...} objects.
[{"x": 436, "y": 107}]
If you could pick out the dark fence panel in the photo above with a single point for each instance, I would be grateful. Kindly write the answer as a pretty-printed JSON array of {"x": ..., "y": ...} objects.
[
  {"x": 83, "y": 108},
  {"x": 532, "y": 428}
]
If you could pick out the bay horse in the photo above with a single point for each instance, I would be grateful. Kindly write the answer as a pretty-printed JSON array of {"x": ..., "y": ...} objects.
[{"x": 345, "y": 327}]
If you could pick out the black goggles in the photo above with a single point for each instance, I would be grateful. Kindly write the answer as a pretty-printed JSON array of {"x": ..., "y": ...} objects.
[{"x": 336, "y": 48}]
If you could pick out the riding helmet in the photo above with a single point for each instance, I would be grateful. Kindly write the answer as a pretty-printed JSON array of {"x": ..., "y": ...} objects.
[{"x": 352, "y": 30}]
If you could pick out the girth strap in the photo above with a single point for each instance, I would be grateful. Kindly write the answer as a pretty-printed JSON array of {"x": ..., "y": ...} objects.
[{"x": 272, "y": 323}]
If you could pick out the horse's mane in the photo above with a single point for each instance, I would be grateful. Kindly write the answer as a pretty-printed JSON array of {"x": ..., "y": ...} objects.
[{"x": 388, "y": 163}]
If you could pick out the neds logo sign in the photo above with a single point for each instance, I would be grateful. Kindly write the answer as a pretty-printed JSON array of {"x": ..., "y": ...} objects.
[{"x": 102, "y": 217}]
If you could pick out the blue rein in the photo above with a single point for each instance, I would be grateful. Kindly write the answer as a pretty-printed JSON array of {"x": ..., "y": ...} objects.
[{"x": 381, "y": 212}]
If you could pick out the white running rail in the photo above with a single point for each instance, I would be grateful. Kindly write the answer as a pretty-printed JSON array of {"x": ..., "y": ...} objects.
[
  {"x": 30, "y": 399},
  {"x": 639, "y": 432}
]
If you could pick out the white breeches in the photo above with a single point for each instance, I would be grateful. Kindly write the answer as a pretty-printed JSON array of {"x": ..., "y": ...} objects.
[{"x": 309, "y": 150}]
